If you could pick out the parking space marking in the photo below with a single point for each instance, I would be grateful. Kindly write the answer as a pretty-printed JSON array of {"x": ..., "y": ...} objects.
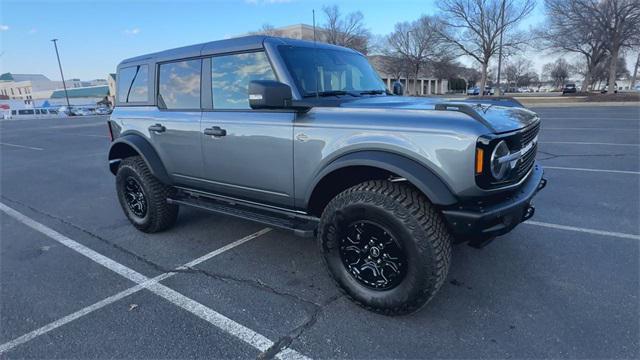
[
  {"x": 593, "y": 170},
  {"x": 584, "y": 230},
  {"x": 21, "y": 146},
  {"x": 256, "y": 340},
  {"x": 584, "y": 143}
]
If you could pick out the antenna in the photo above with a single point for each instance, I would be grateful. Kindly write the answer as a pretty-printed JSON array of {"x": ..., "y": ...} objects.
[
  {"x": 315, "y": 53},
  {"x": 314, "y": 25}
]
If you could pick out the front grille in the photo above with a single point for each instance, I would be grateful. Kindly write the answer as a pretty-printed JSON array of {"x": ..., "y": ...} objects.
[
  {"x": 527, "y": 160},
  {"x": 527, "y": 135}
]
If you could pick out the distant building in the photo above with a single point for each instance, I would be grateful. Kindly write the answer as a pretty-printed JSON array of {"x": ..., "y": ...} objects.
[
  {"x": 29, "y": 90},
  {"x": 427, "y": 84}
]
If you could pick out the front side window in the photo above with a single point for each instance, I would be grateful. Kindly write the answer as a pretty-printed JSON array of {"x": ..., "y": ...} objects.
[
  {"x": 230, "y": 77},
  {"x": 326, "y": 70},
  {"x": 133, "y": 84},
  {"x": 179, "y": 85}
]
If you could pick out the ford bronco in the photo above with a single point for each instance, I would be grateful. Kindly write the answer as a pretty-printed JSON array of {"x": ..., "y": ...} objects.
[{"x": 305, "y": 136}]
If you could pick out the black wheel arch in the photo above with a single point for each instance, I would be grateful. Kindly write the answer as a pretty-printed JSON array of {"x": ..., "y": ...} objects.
[
  {"x": 136, "y": 145},
  {"x": 387, "y": 163}
]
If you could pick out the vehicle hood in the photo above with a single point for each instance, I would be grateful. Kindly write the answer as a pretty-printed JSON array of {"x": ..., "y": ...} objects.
[{"x": 498, "y": 115}]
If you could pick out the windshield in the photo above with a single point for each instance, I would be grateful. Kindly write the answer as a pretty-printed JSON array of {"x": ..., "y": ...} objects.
[{"x": 337, "y": 72}]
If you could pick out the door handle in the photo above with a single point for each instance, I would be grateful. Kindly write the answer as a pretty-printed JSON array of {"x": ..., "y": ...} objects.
[
  {"x": 215, "y": 131},
  {"x": 157, "y": 128}
]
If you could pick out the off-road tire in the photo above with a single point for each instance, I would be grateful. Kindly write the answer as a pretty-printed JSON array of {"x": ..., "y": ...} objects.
[
  {"x": 414, "y": 222},
  {"x": 159, "y": 215}
]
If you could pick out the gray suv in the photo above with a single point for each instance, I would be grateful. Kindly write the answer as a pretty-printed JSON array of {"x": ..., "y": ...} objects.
[{"x": 306, "y": 137}]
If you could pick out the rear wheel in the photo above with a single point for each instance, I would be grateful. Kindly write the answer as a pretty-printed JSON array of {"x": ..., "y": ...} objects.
[
  {"x": 386, "y": 246},
  {"x": 143, "y": 198}
]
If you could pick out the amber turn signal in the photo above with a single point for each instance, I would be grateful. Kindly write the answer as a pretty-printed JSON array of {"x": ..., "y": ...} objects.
[{"x": 479, "y": 160}]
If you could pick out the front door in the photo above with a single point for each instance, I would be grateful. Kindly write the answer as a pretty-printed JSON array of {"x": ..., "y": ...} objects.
[{"x": 247, "y": 153}]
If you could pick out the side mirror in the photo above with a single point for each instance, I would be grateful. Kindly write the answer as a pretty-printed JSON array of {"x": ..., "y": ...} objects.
[{"x": 269, "y": 94}]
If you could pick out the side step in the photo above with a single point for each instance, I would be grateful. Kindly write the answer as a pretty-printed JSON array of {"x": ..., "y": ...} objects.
[{"x": 301, "y": 225}]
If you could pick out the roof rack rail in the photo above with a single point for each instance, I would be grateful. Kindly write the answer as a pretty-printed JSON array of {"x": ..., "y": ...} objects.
[{"x": 465, "y": 109}]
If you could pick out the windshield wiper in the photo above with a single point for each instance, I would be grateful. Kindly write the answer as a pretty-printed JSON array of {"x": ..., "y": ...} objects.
[
  {"x": 330, "y": 93},
  {"x": 373, "y": 92}
]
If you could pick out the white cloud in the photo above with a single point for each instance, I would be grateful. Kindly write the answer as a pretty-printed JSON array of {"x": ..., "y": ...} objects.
[
  {"x": 4, "y": 27},
  {"x": 132, "y": 31},
  {"x": 266, "y": 2}
]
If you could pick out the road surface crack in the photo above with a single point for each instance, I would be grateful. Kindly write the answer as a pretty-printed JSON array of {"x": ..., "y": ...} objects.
[{"x": 286, "y": 341}]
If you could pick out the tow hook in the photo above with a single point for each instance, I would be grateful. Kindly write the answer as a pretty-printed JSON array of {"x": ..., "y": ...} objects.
[
  {"x": 528, "y": 212},
  {"x": 542, "y": 184}
]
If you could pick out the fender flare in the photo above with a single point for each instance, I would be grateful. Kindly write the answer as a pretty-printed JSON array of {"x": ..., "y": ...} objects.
[
  {"x": 417, "y": 174},
  {"x": 122, "y": 147}
]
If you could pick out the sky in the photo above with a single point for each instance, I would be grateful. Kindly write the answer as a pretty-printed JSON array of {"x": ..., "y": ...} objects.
[{"x": 94, "y": 36}]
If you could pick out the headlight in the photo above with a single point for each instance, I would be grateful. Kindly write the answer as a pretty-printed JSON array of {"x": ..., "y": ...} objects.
[{"x": 499, "y": 168}]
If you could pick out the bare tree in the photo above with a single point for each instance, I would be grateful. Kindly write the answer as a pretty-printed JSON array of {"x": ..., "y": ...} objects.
[
  {"x": 394, "y": 66},
  {"x": 348, "y": 30},
  {"x": 474, "y": 27},
  {"x": 620, "y": 23},
  {"x": 519, "y": 71},
  {"x": 417, "y": 43},
  {"x": 635, "y": 72},
  {"x": 558, "y": 71},
  {"x": 601, "y": 71},
  {"x": 572, "y": 27},
  {"x": 267, "y": 29}
]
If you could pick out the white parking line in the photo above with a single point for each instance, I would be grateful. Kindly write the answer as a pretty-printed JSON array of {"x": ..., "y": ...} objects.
[
  {"x": 593, "y": 170},
  {"x": 21, "y": 146},
  {"x": 258, "y": 341},
  {"x": 584, "y": 230},
  {"x": 584, "y": 143}
]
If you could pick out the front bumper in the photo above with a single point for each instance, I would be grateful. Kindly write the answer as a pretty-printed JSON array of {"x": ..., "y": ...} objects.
[{"x": 479, "y": 219}]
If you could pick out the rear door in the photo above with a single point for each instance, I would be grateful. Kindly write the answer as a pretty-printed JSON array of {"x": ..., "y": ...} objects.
[
  {"x": 175, "y": 131},
  {"x": 247, "y": 153}
]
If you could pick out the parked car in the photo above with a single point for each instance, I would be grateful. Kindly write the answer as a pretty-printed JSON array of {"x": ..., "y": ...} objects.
[
  {"x": 28, "y": 113},
  {"x": 569, "y": 89},
  {"x": 378, "y": 179},
  {"x": 488, "y": 90},
  {"x": 606, "y": 89},
  {"x": 473, "y": 91},
  {"x": 103, "y": 110}
]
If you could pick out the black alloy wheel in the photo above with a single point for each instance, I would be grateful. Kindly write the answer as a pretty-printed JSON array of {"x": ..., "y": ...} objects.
[
  {"x": 372, "y": 255},
  {"x": 136, "y": 200}
]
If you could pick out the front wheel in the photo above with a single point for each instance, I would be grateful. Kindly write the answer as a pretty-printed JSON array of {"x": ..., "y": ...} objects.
[{"x": 386, "y": 246}]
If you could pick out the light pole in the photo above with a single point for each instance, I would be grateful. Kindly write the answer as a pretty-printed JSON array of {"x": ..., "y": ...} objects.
[
  {"x": 64, "y": 85},
  {"x": 499, "y": 92}
]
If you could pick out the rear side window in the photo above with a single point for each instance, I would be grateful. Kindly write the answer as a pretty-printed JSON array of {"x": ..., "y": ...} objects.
[
  {"x": 230, "y": 77},
  {"x": 133, "y": 84},
  {"x": 179, "y": 85}
]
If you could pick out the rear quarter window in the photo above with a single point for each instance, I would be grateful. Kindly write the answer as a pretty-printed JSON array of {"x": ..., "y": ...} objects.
[{"x": 133, "y": 84}]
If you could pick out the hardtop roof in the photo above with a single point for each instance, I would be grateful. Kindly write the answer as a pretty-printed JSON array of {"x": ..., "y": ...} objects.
[{"x": 251, "y": 42}]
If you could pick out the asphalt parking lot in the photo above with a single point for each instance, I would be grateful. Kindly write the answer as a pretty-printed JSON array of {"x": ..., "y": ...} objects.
[{"x": 78, "y": 281}]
